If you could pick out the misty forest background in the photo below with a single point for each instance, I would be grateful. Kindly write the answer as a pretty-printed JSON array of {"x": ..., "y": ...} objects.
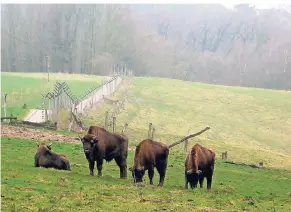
[{"x": 205, "y": 43}]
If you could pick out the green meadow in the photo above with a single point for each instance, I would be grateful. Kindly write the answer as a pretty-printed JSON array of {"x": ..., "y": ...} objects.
[{"x": 235, "y": 188}]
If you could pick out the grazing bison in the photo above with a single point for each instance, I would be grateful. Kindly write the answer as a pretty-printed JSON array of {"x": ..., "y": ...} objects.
[
  {"x": 44, "y": 157},
  {"x": 100, "y": 144},
  {"x": 199, "y": 164},
  {"x": 148, "y": 155}
]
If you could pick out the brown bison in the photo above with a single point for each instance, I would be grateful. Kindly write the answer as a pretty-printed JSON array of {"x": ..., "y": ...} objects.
[
  {"x": 100, "y": 144},
  {"x": 199, "y": 163},
  {"x": 44, "y": 157},
  {"x": 148, "y": 155}
]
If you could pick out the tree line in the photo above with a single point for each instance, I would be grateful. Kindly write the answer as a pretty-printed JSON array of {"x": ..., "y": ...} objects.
[{"x": 206, "y": 43}]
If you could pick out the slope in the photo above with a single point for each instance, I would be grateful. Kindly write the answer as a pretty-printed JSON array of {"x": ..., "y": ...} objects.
[{"x": 251, "y": 124}]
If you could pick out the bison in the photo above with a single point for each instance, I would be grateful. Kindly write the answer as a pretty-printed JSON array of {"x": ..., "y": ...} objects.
[
  {"x": 44, "y": 157},
  {"x": 99, "y": 144},
  {"x": 148, "y": 155},
  {"x": 199, "y": 163}
]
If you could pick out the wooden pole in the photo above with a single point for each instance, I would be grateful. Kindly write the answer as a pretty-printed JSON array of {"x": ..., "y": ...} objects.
[
  {"x": 5, "y": 101},
  {"x": 189, "y": 136},
  {"x": 113, "y": 124},
  {"x": 186, "y": 146},
  {"x": 124, "y": 128},
  {"x": 150, "y": 130},
  {"x": 106, "y": 120},
  {"x": 153, "y": 133}
]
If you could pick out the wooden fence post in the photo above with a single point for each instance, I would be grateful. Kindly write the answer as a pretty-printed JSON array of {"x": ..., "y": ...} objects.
[
  {"x": 150, "y": 130},
  {"x": 106, "y": 120},
  {"x": 224, "y": 155},
  {"x": 186, "y": 146},
  {"x": 153, "y": 133},
  {"x": 113, "y": 124},
  {"x": 124, "y": 128},
  {"x": 5, "y": 101}
]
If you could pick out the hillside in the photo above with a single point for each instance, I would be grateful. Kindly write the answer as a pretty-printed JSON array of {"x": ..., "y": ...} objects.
[{"x": 251, "y": 124}]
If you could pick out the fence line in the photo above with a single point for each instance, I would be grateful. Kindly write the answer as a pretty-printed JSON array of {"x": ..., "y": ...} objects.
[
  {"x": 62, "y": 96},
  {"x": 111, "y": 115}
]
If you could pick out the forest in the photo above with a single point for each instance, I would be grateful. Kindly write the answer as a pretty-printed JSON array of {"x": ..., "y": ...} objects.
[{"x": 207, "y": 43}]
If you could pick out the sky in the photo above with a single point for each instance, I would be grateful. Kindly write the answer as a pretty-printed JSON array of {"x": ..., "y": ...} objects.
[{"x": 260, "y": 4}]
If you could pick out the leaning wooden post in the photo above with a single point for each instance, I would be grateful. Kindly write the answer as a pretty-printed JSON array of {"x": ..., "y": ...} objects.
[
  {"x": 153, "y": 133},
  {"x": 150, "y": 130},
  {"x": 113, "y": 124}
]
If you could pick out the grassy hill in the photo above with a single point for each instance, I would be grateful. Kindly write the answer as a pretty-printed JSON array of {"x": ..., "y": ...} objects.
[
  {"x": 235, "y": 188},
  {"x": 28, "y": 87},
  {"x": 251, "y": 124}
]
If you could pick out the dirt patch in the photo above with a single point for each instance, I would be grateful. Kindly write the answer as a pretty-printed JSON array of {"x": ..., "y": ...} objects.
[
  {"x": 22, "y": 132},
  {"x": 29, "y": 133}
]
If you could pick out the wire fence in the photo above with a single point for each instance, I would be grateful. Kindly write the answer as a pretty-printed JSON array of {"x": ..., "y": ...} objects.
[{"x": 63, "y": 98}]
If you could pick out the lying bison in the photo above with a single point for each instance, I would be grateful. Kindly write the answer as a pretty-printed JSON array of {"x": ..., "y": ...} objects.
[
  {"x": 44, "y": 157},
  {"x": 100, "y": 144},
  {"x": 148, "y": 155},
  {"x": 199, "y": 163}
]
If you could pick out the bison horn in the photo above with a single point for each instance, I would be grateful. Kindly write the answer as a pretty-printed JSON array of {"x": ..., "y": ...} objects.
[
  {"x": 140, "y": 168},
  {"x": 80, "y": 138},
  {"x": 37, "y": 144},
  {"x": 198, "y": 172},
  {"x": 189, "y": 171},
  {"x": 130, "y": 169}
]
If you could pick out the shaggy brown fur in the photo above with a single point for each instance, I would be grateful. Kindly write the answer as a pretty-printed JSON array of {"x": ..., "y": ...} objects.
[
  {"x": 44, "y": 157},
  {"x": 148, "y": 155},
  {"x": 99, "y": 144},
  {"x": 199, "y": 163}
]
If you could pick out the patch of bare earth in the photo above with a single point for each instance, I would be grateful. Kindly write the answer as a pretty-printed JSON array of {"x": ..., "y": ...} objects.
[
  {"x": 22, "y": 132},
  {"x": 29, "y": 133}
]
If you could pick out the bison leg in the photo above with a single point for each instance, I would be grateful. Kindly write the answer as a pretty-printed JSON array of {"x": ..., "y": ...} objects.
[
  {"x": 91, "y": 167},
  {"x": 99, "y": 167},
  {"x": 151, "y": 175},
  {"x": 186, "y": 181},
  {"x": 209, "y": 182},
  {"x": 209, "y": 177},
  {"x": 162, "y": 171},
  {"x": 36, "y": 164},
  {"x": 121, "y": 162},
  {"x": 201, "y": 179}
]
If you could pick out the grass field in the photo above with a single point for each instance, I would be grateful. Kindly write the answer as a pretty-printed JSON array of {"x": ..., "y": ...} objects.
[
  {"x": 251, "y": 124},
  {"x": 27, "y": 88},
  {"x": 235, "y": 188}
]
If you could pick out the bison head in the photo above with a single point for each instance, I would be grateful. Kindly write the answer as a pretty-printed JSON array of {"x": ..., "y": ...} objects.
[
  {"x": 137, "y": 173},
  {"x": 48, "y": 146},
  {"x": 89, "y": 143}
]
